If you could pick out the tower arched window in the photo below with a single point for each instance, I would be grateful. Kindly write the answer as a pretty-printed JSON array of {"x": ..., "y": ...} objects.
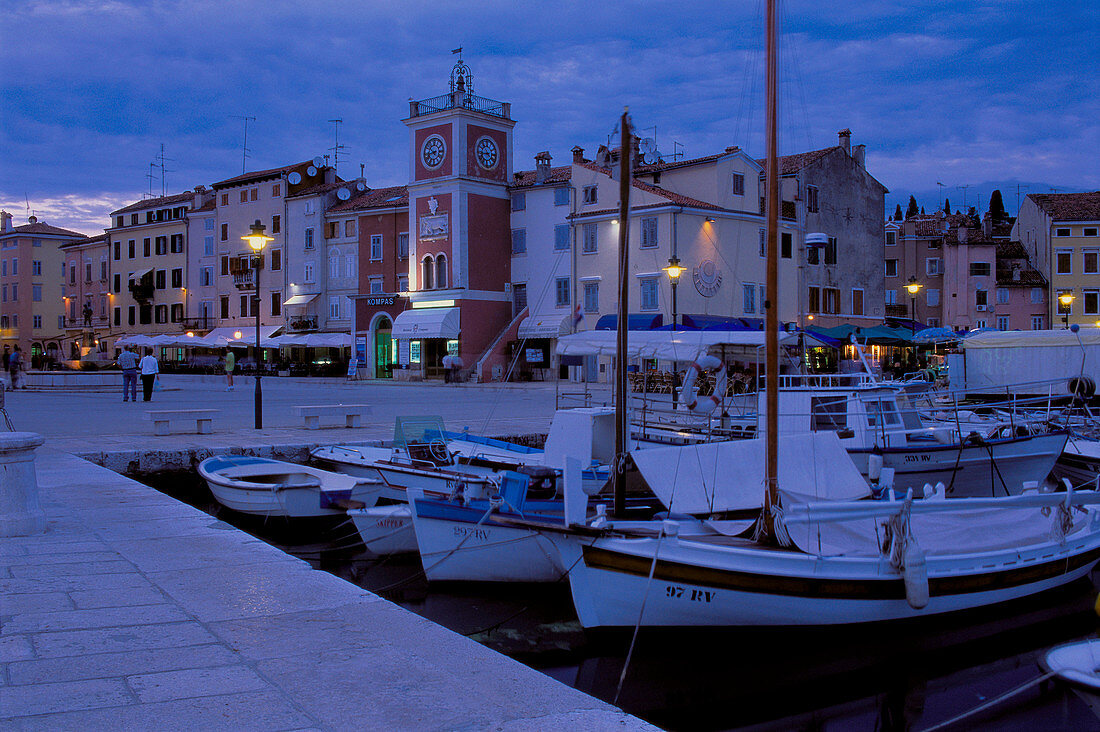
[
  {"x": 441, "y": 271},
  {"x": 427, "y": 276}
]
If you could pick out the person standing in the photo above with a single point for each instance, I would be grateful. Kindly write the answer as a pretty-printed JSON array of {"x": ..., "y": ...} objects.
[
  {"x": 15, "y": 365},
  {"x": 149, "y": 370},
  {"x": 128, "y": 362},
  {"x": 230, "y": 364}
]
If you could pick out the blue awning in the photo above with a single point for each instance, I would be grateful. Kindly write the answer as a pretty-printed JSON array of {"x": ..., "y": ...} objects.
[{"x": 634, "y": 321}]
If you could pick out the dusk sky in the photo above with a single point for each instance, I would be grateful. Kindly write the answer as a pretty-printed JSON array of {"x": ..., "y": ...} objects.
[{"x": 959, "y": 93}]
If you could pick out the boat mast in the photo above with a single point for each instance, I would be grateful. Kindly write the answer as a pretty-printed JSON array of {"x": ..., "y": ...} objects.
[
  {"x": 622, "y": 427},
  {"x": 771, "y": 315}
]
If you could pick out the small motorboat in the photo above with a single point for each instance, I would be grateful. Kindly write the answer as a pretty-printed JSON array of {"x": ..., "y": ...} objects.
[
  {"x": 385, "y": 530},
  {"x": 266, "y": 487},
  {"x": 1077, "y": 664}
]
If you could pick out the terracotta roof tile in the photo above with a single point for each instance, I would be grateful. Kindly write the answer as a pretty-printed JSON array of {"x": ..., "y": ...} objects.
[
  {"x": 258, "y": 175},
  {"x": 42, "y": 228},
  {"x": 159, "y": 202},
  {"x": 322, "y": 188},
  {"x": 791, "y": 164},
  {"x": 392, "y": 197},
  {"x": 1069, "y": 206},
  {"x": 526, "y": 178}
]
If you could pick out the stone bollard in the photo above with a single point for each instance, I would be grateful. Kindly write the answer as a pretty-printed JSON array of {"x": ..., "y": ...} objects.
[{"x": 19, "y": 511}]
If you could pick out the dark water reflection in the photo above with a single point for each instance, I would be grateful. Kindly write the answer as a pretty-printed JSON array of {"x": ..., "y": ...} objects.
[{"x": 898, "y": 676}]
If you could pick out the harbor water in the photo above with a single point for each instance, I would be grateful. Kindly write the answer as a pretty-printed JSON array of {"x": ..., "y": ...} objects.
[{"x": 898, "y": 676}]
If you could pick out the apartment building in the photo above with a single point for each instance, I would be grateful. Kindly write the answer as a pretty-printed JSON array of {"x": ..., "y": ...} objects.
[
  {"x": 148, "y": 265},
  {"x": 86, "y": 294},
  {"x": 32, "y": 313},
  {"x": 1061, "y": 234},
  {"x": 382, "y": 221}
]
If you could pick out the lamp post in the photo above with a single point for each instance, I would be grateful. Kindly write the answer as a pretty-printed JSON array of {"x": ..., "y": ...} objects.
[
  {"x": 1065, "y": 300},
  {"x": 256, "y": 240},
  {"x": 913, "y": 287},
  {"x": 674, "y": 271}
]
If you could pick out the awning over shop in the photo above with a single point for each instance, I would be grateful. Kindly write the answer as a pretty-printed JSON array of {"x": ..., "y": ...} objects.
[
  {"x": 300, "y": 300},
  {"x": 426, "y": 323},
  {"x": 634, "y": 321},
  {"x": 301, "y": 340},
  {"x": 669, "y": 345},
  {"x": 545, "y": 325}
]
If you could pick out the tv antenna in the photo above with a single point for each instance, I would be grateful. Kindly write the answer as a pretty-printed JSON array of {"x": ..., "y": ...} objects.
[
  {"x": 1019, "y": 188},
  {"x": 150, "y": 176},
  {"x": 244, "y": 146},
  {"x": 337, "y": 147},
  {"x": 677, "y": 155},
  {"x": 160, "y": 161},
  {"x": 963, "y": 189}
]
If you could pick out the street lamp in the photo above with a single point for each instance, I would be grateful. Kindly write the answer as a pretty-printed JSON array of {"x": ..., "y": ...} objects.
[
  {"x": 1064, "y": 302},
  {"x": 913, "y": 287},
  {"x": 256, "y": 240},
  {"x": 674, "y": 271}
]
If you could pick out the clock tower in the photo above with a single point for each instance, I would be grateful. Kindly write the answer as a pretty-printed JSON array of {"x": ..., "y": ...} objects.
[{"x": 460, "y": 225}]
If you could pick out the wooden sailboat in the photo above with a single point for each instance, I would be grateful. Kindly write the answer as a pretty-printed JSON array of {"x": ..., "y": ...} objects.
[{"x": 807, "y": 560}]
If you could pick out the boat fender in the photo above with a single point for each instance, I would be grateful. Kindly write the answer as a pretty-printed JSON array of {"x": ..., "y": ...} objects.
[
  {"x": 916, "y": 576},
  {"x": 671, "y": 529},
  {"x": 886, "y": 479},
  {"x": 927, "y": 490},
  {"x": 874, "y": 466},
  {"x": 939, "y": 493},
  {"x": 601, "y": 516},
  {"x": 707, "y": 404}
]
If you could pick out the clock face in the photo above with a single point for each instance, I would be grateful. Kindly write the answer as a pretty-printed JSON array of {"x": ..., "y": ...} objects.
[
  {"x": 433, "y": 151},
  {"x": 487, "y": 153}
]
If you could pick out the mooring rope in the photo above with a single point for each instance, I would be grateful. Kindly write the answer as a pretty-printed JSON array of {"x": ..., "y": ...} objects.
[{"x": 992, "y": 702}]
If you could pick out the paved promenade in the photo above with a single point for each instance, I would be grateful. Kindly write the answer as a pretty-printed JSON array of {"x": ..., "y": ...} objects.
[{"x": 137, "y": 612}]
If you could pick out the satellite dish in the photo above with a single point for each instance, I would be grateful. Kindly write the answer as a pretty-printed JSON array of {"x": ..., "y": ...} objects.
[
  {"x": 343, "y": 194},
  {"x": 311, "y": 171},
  {"x": 295, "y": 178},
  {"x": 318, "y": 162},
  {"x": 360, "y": 186},
  {"x": 648, "y": 148}
]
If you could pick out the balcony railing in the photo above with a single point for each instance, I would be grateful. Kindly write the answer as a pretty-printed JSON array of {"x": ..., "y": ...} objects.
[
  {"x": 897, "y": 310},
  {"x": 460, "y": 100},
  {"x": 142, "y": 289}
]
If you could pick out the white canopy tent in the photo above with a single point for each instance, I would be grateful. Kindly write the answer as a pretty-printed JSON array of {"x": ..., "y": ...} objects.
[{"x": 222, "y": 336}]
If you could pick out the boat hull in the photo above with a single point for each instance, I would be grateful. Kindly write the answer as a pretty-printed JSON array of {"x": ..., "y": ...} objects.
[
  {"x": 385, "y": 530},
  {"x": 967, "y": 472},
  {"x": 1076, "y": 664},
  {"x": 467, "y": 544},
  {"x": 696, "y": 584}
]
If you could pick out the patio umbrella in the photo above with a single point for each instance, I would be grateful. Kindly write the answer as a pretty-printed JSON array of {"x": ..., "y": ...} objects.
[
  {"x": 935, "y": 335},
  {"x": 976, "y": 331}
]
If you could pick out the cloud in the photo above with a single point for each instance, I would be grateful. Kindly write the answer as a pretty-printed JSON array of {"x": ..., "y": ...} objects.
[{"x": 973, "y": 91}]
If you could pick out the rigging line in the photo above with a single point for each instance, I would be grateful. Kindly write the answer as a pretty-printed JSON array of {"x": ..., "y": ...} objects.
[
  {"x": 499, "y": 391},
  {"x": 995, "y": 700},
  {"x": 641, "y": 612}
]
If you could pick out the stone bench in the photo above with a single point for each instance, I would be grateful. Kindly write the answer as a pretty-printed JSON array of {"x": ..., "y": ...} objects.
[
  {"x": 352, "y": 413},
  {"x": 162, "y": 417}
]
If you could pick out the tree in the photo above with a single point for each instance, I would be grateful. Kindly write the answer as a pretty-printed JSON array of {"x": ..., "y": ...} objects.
[
  {"x": 912, "y": 210},
  {"x": 897, "y": 213},
  {"x": 947, "y": 205},
  {"x": 997, "y": 207},
  {"x": 922, "y": 210}
]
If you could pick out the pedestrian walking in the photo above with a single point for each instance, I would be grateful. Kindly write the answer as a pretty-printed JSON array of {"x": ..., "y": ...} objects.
[
  {"x": 230, "y": 364},
  {"x": 15, "y": 369},
  {"x": 447, "y": 368},
  {"x": 149, "y": 372},
  {"x": 128, "y": 362}
]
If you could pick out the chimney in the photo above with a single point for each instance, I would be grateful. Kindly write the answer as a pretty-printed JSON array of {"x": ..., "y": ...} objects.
[
  {"x": 542, "y": 166},
  {"x": 603, "y": 157},
  {"x": 32, "y": 219},
  {"x": 330, "y": 173},
  {"x": 859, "y": 152},
  {"x": 578, "y": 154},
  {"x": 987, "y": 225},
  {"x": 1015, "y": 272},
  {"x": 845, "y": 136},
  {"x": 5, "y": 221},
  {"x": 963, "y": 234}
]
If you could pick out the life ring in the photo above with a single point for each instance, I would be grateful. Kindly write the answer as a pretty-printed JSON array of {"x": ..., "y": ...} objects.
[{"x": 707, "y": 404}]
